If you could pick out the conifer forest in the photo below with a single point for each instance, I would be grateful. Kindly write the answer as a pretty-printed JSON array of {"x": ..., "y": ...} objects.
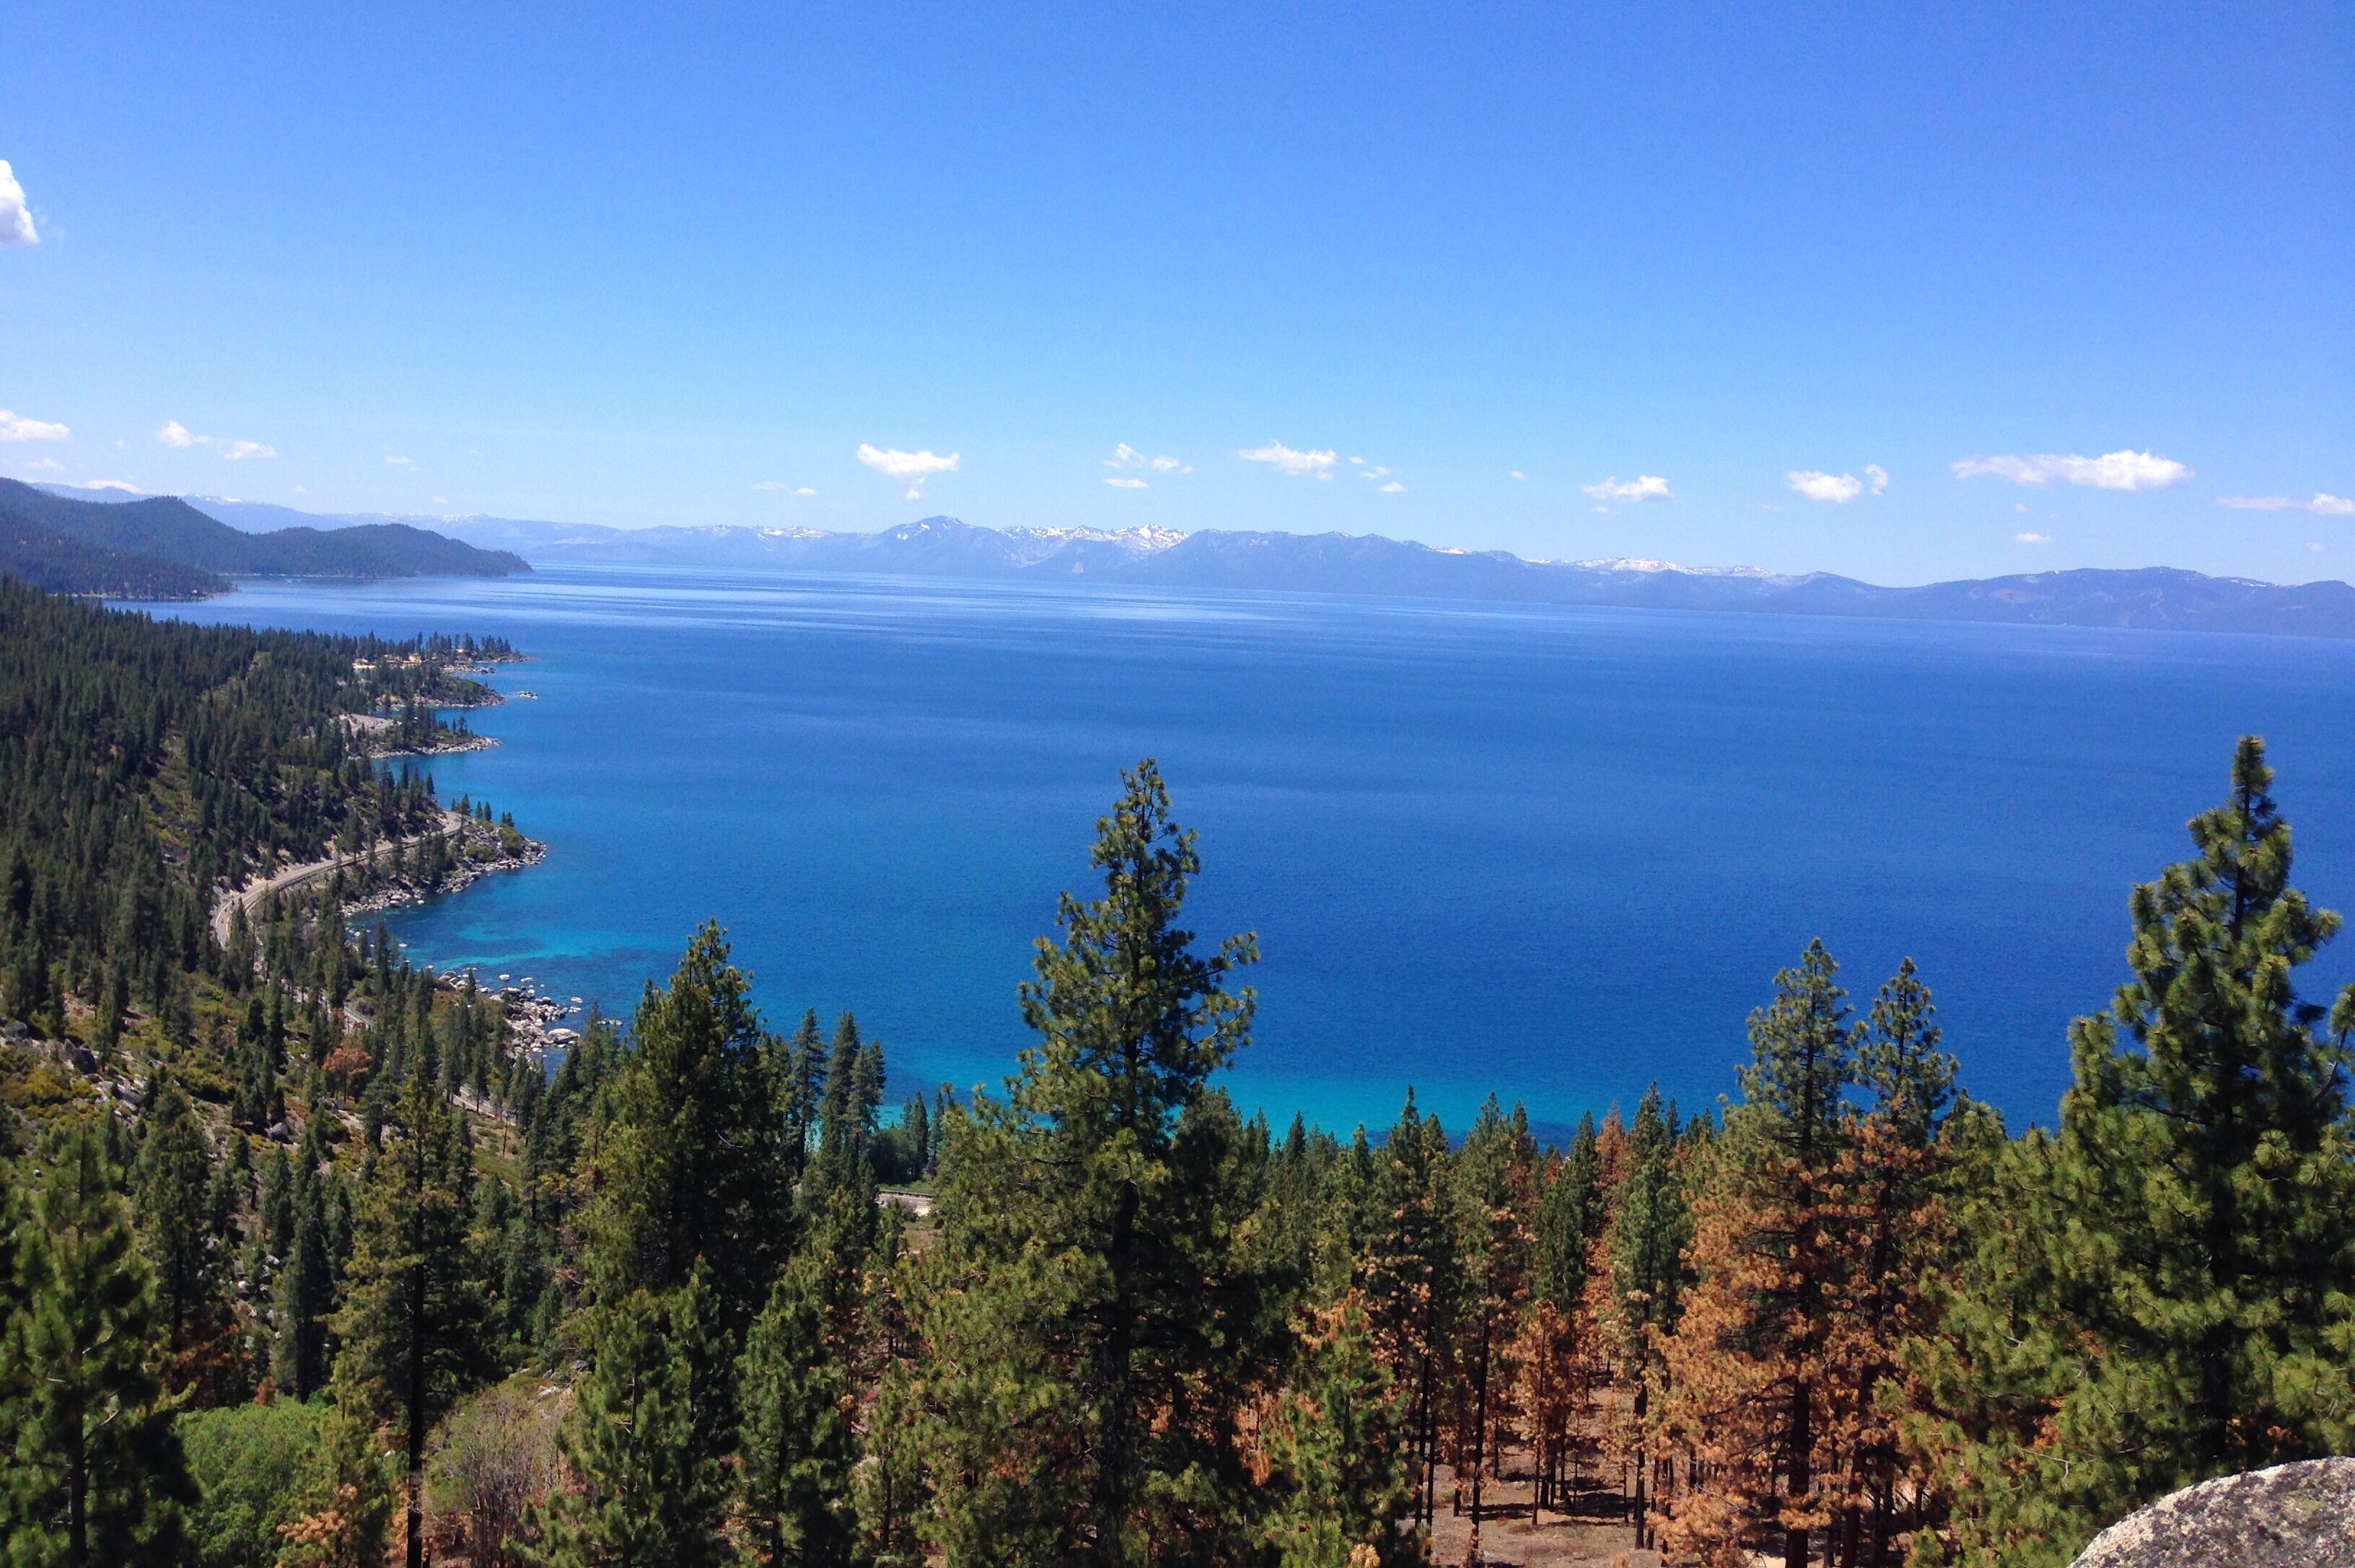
[{"x": 303, "y": 1262}]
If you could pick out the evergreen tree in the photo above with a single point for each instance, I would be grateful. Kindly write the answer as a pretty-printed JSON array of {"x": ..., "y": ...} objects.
[
  {"x": 342, "y": 1497},
  {"x": 801, "y": 1077},
  {"x": 1643, "y": 1288},
  {"x": 1913, "y": 1134},
  {"x": 854, "y": 1088},
  {"x": 413, "y": 1325},
  {"x": 2164, "y": 1290},
  {"x": 652, "y": 1491},
  {"x": 692, "y": 1162},
  {"x": 1494, "y": 1188},
  {"x": 305, "y": 1294},
  {"x": 93, "y": 1473},
  {"x": 1413, "y": 1280},
  {"x": 274, "y": 1214},
  {"x": 793, "y": 1470},
  {"x": 184, "y": 1245},
  {"x": 1751, "y": 1380},
  {"x": 1569, "y": 1217},
  {"x": 1339, "y": 1469},
  {"x": 1094, "y": 1320}
]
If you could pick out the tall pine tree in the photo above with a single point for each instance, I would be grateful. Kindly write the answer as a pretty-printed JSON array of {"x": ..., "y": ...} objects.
[
  {"x": 415, "y": 1321},
  {"x": 793, "y": 1469},
  {"x": 1096, "y": 1321},
  {"x": 93, "y": 1473},
  {"x": 650, "y": 1491},
  {"x": 2164, "y": 1290}
]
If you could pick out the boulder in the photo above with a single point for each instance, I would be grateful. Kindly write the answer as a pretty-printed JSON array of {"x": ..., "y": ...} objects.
[{"x": 2292, "y": 1515}]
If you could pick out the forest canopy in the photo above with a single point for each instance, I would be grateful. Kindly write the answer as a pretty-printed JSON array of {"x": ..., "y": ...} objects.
[{"x": 312, "y": 1261}]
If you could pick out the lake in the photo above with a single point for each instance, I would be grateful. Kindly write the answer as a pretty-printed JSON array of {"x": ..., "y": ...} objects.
[{"x": 1552, "y": 852}]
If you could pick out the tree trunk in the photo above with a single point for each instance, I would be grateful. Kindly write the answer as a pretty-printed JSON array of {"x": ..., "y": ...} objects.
[{"x": 1795, "y": 1541}]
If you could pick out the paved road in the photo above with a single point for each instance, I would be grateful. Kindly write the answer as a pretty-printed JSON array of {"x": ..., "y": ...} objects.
[{"x": 297, "y": 876}]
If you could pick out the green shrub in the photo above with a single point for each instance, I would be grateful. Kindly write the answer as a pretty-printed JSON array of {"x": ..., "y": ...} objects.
[{"x": 245, "y": 1459}]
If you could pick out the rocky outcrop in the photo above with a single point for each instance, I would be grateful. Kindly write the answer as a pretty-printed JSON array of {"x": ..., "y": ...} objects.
[{"x": 2292, "y": 1515}]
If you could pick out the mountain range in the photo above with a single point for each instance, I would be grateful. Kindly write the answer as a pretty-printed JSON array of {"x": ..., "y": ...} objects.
[
  {"x": 161, "y": 547},
  {"x": 2154, "y": 597}
]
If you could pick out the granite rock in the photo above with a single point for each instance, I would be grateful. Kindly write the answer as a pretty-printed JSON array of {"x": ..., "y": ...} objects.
[{"x": 2292, "y": 1515}]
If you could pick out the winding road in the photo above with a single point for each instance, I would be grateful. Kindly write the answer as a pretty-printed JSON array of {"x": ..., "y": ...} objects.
[{"x": 311, "y": 871}]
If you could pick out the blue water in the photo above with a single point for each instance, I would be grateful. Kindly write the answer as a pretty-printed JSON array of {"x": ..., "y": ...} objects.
[{"x": 1555, "y": 853}]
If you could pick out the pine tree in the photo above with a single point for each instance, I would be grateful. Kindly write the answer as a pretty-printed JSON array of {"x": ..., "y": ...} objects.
[
  {"x": 1569, "y": 1221},
  {"x": 185, "y": 1247},
  {"x": 93, "y": 1473},
  {"x": 1413, "y": 1280},
  {"x": 2161, "y": 1291},
  {"x": 1912, "y": 1133},
  {"x": 692, "y": 1161},
  {"x": 305, "y": 1292},
  {"x": 1644, "y": 1289},
  {"x": 845, "y": 1115},
  {"x": 1566, "y": 1231},
  {"x": 342, "y": 1497},
  {"x": 1096, "y": 1323},
  {"x": 1494, "y": 1186},
  {"x": 1339, "y": 1469},
  {"x": 651, "y": 1489},
  {"x": 793, "y": 1470},
  {"x": 414, "y": 1322},
  {"x": 1754, "y": 1387},
  {"x": 801, "y": 1074}
]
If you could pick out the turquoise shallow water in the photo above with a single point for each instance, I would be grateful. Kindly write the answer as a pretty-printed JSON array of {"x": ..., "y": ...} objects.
[{"x": 1552, "y": 852}]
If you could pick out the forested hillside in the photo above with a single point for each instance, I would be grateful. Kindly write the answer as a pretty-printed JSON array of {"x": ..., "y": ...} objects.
[
  {"x": 165, "y": 546},
  {"x": 312, "y": 1264}
]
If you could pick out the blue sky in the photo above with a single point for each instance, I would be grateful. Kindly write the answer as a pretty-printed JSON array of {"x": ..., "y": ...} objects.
[{"x": 1535, "y": 263}]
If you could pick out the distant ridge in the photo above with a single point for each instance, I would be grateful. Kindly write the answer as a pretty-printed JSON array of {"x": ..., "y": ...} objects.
[
  {"x": 2149, "y": 597},
  {"x": 161, "y": 547}
]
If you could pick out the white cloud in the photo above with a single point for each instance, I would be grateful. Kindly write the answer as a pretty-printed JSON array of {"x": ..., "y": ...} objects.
[
  {"x": 1117, "y": 482},
  {"x": 20, "y": 427},
  {"x": 1643, "y": 487},
  {"x": 181, "y": 438},
  {"x": 1879, "y": 476},
  {"x": 1818, "y": 486},
  {"x": 15, "y": 219},
  {"x": 1278, "y": 455},
  {"x": 401, "y": 462},
  {"x": 44, "y": 465},
  {"x": 126, "y": 485},
  {"x": 1517, "y": 474},
  {"x": 901, "y": 464},
  {"x": 914, "y": 467},
  {"x": 2033, "y": 538},
  {"x": 2122, "y": 470},
  {"x": 1127, "y": 456},
  {"x": 785, "y": 485},
  {"x": 1375, "y": 471},
  {"x": 2324, "y": 504},
  {"x": 1356, "y": 460},
  {"x": 1393, "y": 489},
  {"x": 2316, "y": 547}
]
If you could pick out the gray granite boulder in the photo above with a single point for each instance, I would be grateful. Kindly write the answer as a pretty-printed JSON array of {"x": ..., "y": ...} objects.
[{"x": 2292, "y": 1515}]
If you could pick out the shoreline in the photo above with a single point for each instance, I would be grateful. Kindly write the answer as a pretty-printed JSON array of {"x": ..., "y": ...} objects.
[{"x": 397, "y": 891}]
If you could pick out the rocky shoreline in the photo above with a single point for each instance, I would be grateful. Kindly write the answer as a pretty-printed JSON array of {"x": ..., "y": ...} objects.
[{"x": 395, "y": 891}]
